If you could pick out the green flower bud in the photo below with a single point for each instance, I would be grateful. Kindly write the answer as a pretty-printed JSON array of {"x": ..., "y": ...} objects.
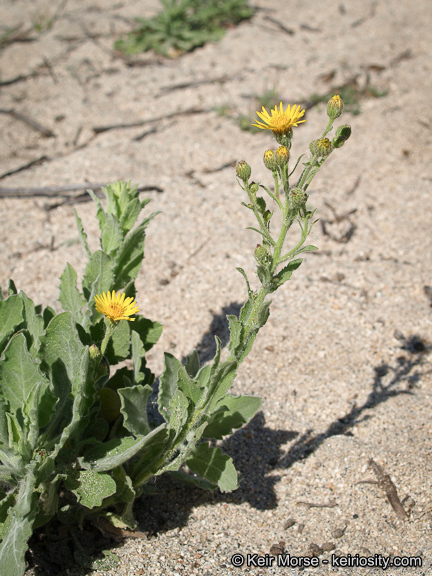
[
  {"x": 334, "y": 107},
  {"x": 254, "y": 187},
  {"x": 285, "y": 139},
  {"x": 243, "y": 170},
  {"x": 95, "y": 353},
  {"x": 261, "y": 254},
  {"x": 297, "y": 197},
  {"x": 321, "y": 147},
  {"x": 270, "y": 160},
  {"x": 341, "y": 136},
  {"x": 282, "y": 156}
]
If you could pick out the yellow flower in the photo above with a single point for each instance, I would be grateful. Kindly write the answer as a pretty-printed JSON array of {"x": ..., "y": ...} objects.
[
  {"x": 280, "y": 121},
  {"x": 116, "y": 307}
]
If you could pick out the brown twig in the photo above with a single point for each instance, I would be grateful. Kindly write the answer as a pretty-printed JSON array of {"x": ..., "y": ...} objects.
[
  {"x": 386, "y": 484},
  {"x": 38, "y": 161},
  {"x": 46, "y": 132},
  {"x": 65, "y": 191},
  {"x": 330, "y": 504},
  {"x": 230, "y": 164},
  {"x": 184, "y": 85},
  {"x": 289, "y": 31},
  {"x": 100, "y": 129}
]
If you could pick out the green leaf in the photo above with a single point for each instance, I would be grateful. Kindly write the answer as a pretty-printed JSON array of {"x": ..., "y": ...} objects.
[
  {"x": 130, "y": 214},
  {"x": 34, "y": 323},
  {"x": 191, "y": 388},
  {"x": 232, "y": 412},
  {"x": 192, "y": 364},
  {"x": 196, "y": 481},
  {"x": 138, "y": 358},
  {"x": 263, "y": 274},
  {"x": 178, "y": 413},
  {"x": 83, "y": 235},
  {"x": 130, "y": 254},
  {"x": 90, "y": 487},
  {"x": 12, "y": 289},
  {"x": 100, "y": 214},
  {"x": 134, "y": 409},
  {"x": 98, "y": 276},
  {"x": 111, "y": 235},
  {"x": 246, "y": 310},
  {"x": 18, "y": 528},
  {"x": 243, "y": 273},
  {"x": 261, "y": 204},
  {"x": 235, "y": 328},
  {"x": 19, "y": 373},
  {"x": 116, "y": 452},
  {"x": 11, "y": 316},
  {"x": 220, "y": 383},
  {"x": 168, "y": 384},
  {"x": 124, "y": 491},
  {"x": 67, "y": 364},
  {"x": 308, "y": 248},
  {"x": 213, "y": 465},
  {"x": 47, "y": 315},
  {"x": 286, "y": 273},
  {"x": 148, "y": 330},
  {"x": 70, "y": 297},
  {"x": 148, "y": 460}
]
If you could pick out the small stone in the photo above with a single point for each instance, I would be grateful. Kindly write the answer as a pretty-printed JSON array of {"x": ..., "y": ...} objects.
[
  {"x": 328, "y": 546},
  {"x": 277, "y": 549},
  {"x": 338, "y": 532},
  {"x": 315, "y": 549},
  {"x": 300, "y": 528},
  {"x": 290, "y": 522},
  {"x": 365, "y": 551}
]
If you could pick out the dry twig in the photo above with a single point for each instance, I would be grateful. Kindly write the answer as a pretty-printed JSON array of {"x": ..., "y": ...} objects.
[{"x": 386, "y": 484}]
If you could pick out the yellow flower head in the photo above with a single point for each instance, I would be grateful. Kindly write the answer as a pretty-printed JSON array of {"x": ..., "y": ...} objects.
[
  {"x": 116, "y": 307},
  {"x": 280, "y": 121}
]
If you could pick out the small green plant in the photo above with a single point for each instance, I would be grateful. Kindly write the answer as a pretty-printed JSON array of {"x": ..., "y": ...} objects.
[
  {"x": 80, "y": 436},
  {"x": 184, "y": 25},
  {"x": 352, "y": 95}
]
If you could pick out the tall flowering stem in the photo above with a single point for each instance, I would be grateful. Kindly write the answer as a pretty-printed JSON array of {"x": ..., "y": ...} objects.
[{"x": 290, "y": 200}]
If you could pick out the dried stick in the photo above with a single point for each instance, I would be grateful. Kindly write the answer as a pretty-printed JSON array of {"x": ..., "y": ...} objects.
[
  {"x": 386, "y": 484},
  {"x": 54, "y": 191},
  {"x": 100, "y": 129},
  {"x": 46, "y": 132},
  {"x": 24, "y": 167}
]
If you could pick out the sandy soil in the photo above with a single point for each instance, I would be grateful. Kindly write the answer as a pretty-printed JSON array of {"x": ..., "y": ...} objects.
[{"x": 343, "y": 365}]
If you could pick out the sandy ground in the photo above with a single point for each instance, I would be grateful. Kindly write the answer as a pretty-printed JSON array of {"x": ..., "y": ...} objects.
[{"x": 343, "y": 365}]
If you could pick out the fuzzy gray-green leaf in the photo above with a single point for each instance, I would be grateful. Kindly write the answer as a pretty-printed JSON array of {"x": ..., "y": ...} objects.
[
  {"x": 213, "y": 465},
  {"x": 134, "y": 408},
  {"x": 90, "y": 487},
  {"x": 168, "y": 384},
  {"x": 233, "y": 412},
  {"x": 11, "y": 315},
  {"x": 70, "y": 297}
]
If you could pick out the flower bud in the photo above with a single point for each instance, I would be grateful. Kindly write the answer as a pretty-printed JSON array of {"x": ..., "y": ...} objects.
[
  {"x": 270, "y": 160},
  {"x": 261, "y": 254},
  {"x": 243, "y": 171},
  {"x": 321, "y": 147},
  {"x": 285, "y": 139},
  {"x": 298, "y": 197},
  {"x": 94, "y": 353},
  {"x": 341, "y": 136},
  {"x": 254, "y": 187},
  {"x": 334, "y": 107},
  {"x": 282, "y": 156}
]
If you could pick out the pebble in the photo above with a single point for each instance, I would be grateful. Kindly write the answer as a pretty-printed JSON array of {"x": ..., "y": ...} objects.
[{"x": 290, "y": 522}]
